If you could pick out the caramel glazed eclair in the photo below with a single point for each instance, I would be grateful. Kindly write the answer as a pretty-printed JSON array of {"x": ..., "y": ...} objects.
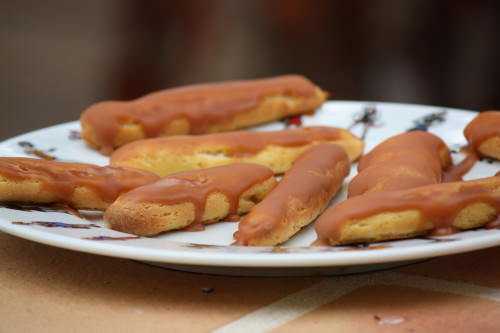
[
  {"x": 80, "y": 185},
  {"x": 381, "y": 208},
  {"x": 403, "y": 161},
  {"x": 190, "y": 198},
  {"x": 275, "y": 149},
  {"x": 298, "y": 199},
  {"x": 438, "y": 209},
  {"x": 483, "y": 134},
  {"x": 198, "y": 109}
]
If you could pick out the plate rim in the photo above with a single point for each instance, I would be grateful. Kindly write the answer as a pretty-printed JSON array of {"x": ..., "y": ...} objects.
[{"x": 255, "y": 259}]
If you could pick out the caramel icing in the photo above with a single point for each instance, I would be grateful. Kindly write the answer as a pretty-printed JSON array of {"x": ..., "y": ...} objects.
[
  {"x": 495, "y": 224},
  {"x": 313, "y": 179},
  {"x": 438, "y": 203},
  {"x": 61, "y": 178},
  {"x": 202, "y": 105},
  {"x": 195, "y": 186},
  {"x": 456, "y": 172},
  {"x": 403, "y": 161},
  {"x": 483, "y": 127},
  {"x": 238, "y": 143}
]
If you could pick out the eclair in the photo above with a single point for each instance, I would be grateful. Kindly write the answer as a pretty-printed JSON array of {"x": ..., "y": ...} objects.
[
  {"x": 483, "y": 134},
  {"x": 199, "y": 109},
  {"x": 403, "y": 161},
  {"x": 437, "y": 209},
  {"x": 274, "y": 149},
  {"x": 79, "y": 185},
  {"x": 302, "y": 194},
  {"x": 190, "y": 198}
]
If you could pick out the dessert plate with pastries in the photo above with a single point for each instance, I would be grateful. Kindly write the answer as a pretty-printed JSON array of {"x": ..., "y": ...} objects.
[{"x": 258, "y": 177}]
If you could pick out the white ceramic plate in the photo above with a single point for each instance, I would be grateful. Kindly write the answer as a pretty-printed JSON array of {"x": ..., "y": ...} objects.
[{"x": 208, "y": 249}]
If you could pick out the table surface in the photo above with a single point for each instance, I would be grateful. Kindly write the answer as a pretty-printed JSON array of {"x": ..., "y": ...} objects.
[{"x": 43, "y": 288}]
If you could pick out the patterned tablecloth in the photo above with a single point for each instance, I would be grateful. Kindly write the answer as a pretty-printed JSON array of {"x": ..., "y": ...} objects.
[{"x": 43, "y": 288}]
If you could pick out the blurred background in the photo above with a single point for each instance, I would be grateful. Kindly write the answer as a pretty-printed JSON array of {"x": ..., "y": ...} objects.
[{"x": 58, "y": 57}]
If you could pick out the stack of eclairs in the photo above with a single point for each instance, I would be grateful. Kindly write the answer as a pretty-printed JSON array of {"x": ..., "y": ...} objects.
[{"x": 181, "y": 158}]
